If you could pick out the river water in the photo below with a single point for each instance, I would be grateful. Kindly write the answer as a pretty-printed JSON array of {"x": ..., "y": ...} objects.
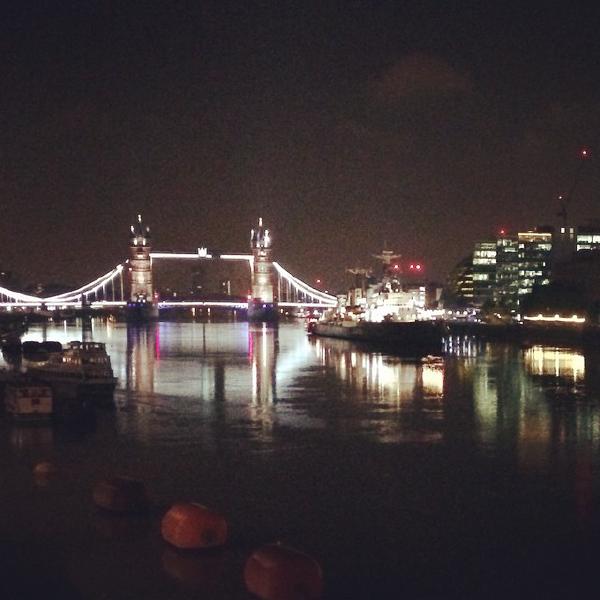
[{"x": 474, "y": 474}]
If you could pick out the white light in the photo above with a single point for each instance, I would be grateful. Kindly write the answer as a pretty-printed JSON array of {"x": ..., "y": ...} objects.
[
  {"x": 247, "y": 257},
  {"x": 556, "y": 319},
  {"x": 195, "y": 256},
  {"x": 199, "y": 303}
]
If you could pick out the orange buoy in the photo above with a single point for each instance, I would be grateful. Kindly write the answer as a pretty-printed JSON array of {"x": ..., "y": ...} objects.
[
  {"x": 191, "y": 526},
  {"x": 43, "y": 473},
  {"x": 277, "y": 572},
  {"x": 120, "y": 494},
  {"x": 45, "y": 469}
]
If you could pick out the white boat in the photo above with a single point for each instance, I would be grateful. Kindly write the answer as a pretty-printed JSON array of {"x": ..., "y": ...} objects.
[
  {"x": 82, "y": 368},
  {"x": 25, "y": 399}
]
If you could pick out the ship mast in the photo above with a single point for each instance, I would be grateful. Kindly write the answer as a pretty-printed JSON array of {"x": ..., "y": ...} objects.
[
  {"x": 360, "y": 275},
  {"x": 390, "y": 281},
  {"x": 386, "y": 257}
]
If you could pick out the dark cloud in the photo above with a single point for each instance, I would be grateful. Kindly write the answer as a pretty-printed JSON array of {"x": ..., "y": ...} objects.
[{"x": 417, "y": 75}]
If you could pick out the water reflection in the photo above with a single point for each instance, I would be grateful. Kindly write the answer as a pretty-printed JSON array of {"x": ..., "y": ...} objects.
[
  {"x": 143, "y": 351},
  {"x": 251, "y": 380},
  {"x": 535, "y": 409},
  {"x": 380, "y": 377},
  {"x": 430, "y": 458},
  {"x": 466, "y": 346},
  {"x": 210, "y": 366},
  {"x": 538, "y": 409},
  {"x": 560, "y": 363},
  {"x": 399, "y": 400},
  {"x": 263, "y": 350},
  {"x": 565, "y": 373},
  {"x": 223, "y": 372},
  {"x": 25, "y": 438}
]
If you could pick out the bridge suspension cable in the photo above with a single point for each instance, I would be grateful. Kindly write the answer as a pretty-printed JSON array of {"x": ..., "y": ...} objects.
[
  {"x": 89, "y": 288},
  {"x": 303, "y": 288},
  {"x": 19, "y": 297}
]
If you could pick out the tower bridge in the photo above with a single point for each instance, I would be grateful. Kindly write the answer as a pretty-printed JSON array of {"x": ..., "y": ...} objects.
[{"x": 130, "y": 284}]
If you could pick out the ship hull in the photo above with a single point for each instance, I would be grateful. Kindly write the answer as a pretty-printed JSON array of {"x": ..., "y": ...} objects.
[
  {"x": 74, "y": 384},
  {"x": 415, "y": 338}
]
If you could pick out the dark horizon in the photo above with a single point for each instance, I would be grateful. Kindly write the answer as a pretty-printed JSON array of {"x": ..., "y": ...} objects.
[{"x": 342, "y": 125}]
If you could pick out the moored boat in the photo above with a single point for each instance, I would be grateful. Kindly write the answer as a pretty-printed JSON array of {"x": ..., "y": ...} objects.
[
  {"x": 82, "y": 368},
  {"x": 28, "y": 400}
]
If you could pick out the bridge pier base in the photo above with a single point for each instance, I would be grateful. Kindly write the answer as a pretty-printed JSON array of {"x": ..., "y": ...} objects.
[
  {"x": 262, "y": 311},
  {"x": 141, "y": 312}
]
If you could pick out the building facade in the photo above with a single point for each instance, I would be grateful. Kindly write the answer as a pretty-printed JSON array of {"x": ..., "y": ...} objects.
[
  {"x": 534, "y": 258},
  {"x": 508, "y": 269},
  {"x": 484, "y": 272},
  {"x": 506, "y": 292}
]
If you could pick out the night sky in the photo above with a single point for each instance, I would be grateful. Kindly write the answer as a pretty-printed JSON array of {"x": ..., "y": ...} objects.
[{"x": 425, "y": 124}]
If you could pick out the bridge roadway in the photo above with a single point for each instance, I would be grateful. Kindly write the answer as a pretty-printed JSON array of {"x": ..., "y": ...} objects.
[{"x": 165, "y": 304}]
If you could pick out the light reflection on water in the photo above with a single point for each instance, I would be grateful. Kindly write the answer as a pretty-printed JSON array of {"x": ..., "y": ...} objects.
[
  {"x": 257, "y": 380},
  {"x": 556, "y": 362},
  {"x": 333, "y": 445}
]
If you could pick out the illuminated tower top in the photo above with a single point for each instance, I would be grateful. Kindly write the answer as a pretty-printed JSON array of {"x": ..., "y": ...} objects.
[
  {"x": 140, "y": 262},
  {"x": 260, "y": 238},
  {"x": 140, "y": 233}
]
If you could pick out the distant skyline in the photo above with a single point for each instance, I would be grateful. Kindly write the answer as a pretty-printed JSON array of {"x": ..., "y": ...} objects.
[{"x": 342, "y": 124}]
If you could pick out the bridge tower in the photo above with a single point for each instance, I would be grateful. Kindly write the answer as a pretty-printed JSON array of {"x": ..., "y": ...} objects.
[
  {"x": 262, "y": 306},
  {"x": 141, "y": 305}
]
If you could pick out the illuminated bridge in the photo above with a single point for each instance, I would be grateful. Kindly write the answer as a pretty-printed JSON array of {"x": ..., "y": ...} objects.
[{"x": 132, "y": 281}]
